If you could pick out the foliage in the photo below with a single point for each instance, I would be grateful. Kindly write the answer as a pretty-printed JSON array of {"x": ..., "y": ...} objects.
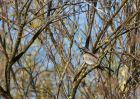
[{"x": 40, "y": 49}]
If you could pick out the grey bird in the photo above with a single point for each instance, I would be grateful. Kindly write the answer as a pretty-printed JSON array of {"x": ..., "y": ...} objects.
[
  {"x": 88, "y": 56},
  {"x": 92, "y": 59}
]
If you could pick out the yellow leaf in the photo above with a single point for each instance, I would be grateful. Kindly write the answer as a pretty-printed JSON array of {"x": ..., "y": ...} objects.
[{"x": 36, "y": 23}]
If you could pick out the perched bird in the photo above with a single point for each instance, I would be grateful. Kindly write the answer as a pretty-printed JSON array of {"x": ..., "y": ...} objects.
[
  {"x": 92, "y": 59},
  {"x": 89, "y": 57}
]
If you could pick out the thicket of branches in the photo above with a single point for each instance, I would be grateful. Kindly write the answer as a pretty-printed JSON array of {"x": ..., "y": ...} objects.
[{"x": 40, "y": 55}]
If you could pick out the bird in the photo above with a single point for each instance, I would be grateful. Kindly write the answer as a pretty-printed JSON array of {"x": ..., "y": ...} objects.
[
  {"x": 88, "y": 56},
  {"x": 92, "y": 59}
]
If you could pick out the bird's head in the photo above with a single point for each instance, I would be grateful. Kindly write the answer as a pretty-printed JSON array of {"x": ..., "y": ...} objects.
[{"x": 84, "y": 49}]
